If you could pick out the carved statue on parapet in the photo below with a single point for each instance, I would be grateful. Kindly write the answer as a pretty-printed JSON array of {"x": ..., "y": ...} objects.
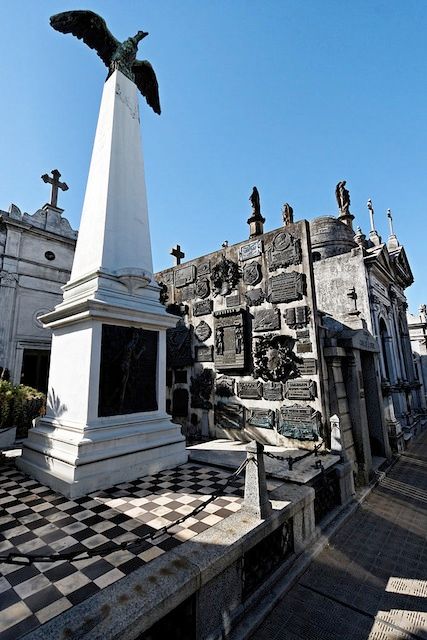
[
  {"x": 93, "y": 30},
  {"x": 255, "y": 202},
  {"x": 423, "y": 312},
  {"x": 288, "y": 214},
  {"x": 343, "y": 198}
]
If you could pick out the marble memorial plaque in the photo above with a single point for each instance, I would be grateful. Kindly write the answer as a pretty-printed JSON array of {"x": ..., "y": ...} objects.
[
  {"x": 252, "y": 273},
  {"x": 302, "y": 334},
  {"x": 185, "y": 275},
  {"x": 204, "y": 354},
  {"x": 202, "y": 308},
  {"x": 299, "y": 422},
  {"x": 128, "y": 371},
  {"x": 287, "y": 287},
  {"x": 229, "y": 416},
  {"x": 308, "y": 367},
  {"x": 202, "y": 288},
  {"x": 273, "y": 391},
  {"x": 203, "y": 331},
  {"x": 250, "y": 389},
  {"x": 204, "y": 268},
  {"x": 232, "y": 301},
  {"x": 250, "y": 250},
  {"x": 285, "y": 251},
  {"x": 267, "y": 320},
  {"x": 255, "y": 297},
  {"x": 296, "y": 317},
  {"x": 262, "y": 418},
  {"x": 300, "y": 389}
]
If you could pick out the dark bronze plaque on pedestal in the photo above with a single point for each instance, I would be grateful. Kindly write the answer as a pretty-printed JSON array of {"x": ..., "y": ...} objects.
[{"x": 128, "y": 371}]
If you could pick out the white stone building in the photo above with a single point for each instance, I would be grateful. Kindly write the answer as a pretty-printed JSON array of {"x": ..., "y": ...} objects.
[{"x": 36, "y": 254}]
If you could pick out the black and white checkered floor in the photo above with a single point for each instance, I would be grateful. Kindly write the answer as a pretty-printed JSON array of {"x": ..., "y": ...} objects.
[{"x": 35, "y": 519}]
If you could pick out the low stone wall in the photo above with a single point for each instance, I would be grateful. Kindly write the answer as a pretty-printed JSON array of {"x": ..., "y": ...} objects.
[{"x": 214, "y": 566}]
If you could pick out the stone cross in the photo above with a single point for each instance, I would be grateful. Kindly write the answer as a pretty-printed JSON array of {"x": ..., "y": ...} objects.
[
  {"x": 371, "y": 213},
  {"x": 390, "y": 218},
  {"x": 56, "y": 184},
  {"x": 177, "y": 254}
]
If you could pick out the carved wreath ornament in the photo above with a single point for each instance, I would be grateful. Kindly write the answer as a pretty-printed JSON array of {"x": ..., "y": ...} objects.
[
  {"x": 274, "y": 358},
  {"x": 225, "y": 275}
]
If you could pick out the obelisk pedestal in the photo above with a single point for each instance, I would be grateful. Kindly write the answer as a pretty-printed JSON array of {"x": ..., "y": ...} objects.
[{"x": 106, "y": 420}]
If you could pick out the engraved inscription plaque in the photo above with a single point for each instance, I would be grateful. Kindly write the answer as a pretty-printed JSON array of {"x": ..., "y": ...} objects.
[
  {"x": 250, "y": 389},
  {"x": 202, "y": 308},
  {"x": 285, "y": 251},
  {"x": 250, "y": 250},
  {"x": 302, "y": 334},
  {"x": 263, "y": 418},
  {"x": 204, "y": 354},
  {"x": 267, "y": 320},
  {"x": 232, "y": 301},
  {"x": 307, "y": 367},
  {"x": 188, "y": 292},
  {"x": 168, "y": 277},
  {"x": 185, "y": 275},
  {"x": 287, "y": 287},
  {"x": 300, "y": 390},
  {"x": 128, "y": 371},
  {"x": 297, "y": 317},
  {"x": 273, "y": 391},
  {"x": 229, "y": 416},
  {"x": 203, "y": 331},
  {"x": 299, "y": 422}
]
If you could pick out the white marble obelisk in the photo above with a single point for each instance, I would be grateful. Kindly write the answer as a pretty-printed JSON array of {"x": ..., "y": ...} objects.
[{"x": 79, "y": 446}]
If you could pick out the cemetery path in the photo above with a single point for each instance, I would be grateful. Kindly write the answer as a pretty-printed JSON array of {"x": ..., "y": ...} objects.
[{"x": 370, "y": 581}]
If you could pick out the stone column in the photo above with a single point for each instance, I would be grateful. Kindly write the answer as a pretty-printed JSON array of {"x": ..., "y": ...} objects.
[{"x": 256, "y": 497}]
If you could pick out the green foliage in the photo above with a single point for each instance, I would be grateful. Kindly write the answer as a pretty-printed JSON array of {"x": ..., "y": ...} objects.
[{"x": 19, "y": 405}]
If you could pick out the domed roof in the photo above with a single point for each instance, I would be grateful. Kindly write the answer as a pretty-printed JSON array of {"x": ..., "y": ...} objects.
[{"x": 330, "y": 236}]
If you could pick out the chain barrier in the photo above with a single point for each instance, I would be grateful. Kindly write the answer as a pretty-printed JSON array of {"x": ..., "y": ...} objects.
[
  {"x": 25, "y": 559},
  {"x": 293, "y": 460}
]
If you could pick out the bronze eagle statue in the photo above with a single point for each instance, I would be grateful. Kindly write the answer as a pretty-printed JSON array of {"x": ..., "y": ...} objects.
[{"x": 92, "y": 29}]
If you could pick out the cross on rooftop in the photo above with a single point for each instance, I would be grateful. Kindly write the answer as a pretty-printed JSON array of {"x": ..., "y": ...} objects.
[
  {"x": 177, "y": 254},
  {"x": 56, "y": 184}
]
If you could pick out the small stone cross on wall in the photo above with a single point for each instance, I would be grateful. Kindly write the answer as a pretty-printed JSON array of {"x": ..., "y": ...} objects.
[
  {"x": 177, "y": 254},
  {"x": 56, "y": 184}
]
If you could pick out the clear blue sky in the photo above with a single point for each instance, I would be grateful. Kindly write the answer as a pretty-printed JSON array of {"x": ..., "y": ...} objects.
[{"x": 288, "y": 95}]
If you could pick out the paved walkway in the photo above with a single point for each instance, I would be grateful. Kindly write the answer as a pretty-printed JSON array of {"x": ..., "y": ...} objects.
[{"x": 370, "y": 582}]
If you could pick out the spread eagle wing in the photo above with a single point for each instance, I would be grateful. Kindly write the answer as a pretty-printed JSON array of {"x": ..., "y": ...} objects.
[
  {"x": 89, "y": 27},
  {"x": 146, "y": 81}
]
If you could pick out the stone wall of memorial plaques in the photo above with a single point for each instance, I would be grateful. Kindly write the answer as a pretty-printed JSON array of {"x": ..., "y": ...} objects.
[{"x": 251, "y": 318}]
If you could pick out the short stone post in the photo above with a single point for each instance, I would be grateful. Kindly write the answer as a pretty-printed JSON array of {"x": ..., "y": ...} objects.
[{"x": 256, "y": 497}]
